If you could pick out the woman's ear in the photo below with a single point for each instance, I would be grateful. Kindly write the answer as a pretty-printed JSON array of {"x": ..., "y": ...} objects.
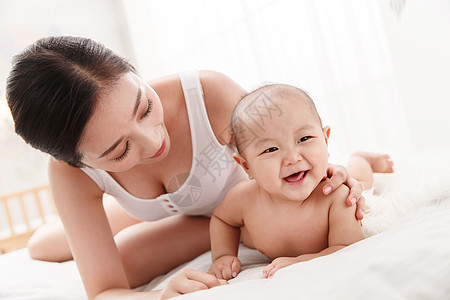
[
  {"x": 243, "y": 163},
  {"x": 326, "y": 133}
]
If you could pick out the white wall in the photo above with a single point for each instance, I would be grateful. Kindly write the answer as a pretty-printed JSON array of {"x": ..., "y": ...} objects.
[
  {"x": 419, "y": 43},
  {"x": 401, "y": 110}
]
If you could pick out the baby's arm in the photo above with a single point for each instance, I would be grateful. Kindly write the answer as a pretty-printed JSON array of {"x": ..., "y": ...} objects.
[
  {"x": 225, "y": 234},
  {"x": 344, "y": 230}
]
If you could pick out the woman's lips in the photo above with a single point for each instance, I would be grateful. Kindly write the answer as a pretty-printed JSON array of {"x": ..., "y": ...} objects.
[{"x": 161, "y": 150}]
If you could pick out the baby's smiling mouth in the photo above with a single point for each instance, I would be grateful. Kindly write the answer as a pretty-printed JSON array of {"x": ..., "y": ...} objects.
[{"x": 295, "y": 177}]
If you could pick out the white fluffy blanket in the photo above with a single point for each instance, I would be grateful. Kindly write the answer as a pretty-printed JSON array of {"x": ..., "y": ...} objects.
[{"x": 416, "y": 181}]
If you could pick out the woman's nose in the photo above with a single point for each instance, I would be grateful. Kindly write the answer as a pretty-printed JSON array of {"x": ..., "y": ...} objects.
[{"x": 150, "y": 138}]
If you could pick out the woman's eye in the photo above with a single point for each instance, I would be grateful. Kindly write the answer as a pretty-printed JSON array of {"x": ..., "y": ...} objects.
[
  {"x": 305, "y": 138},
  {"x": 149, "y": 108},
  {"x": 271, "y": 149},
  {"x": 124, "y": 154}
]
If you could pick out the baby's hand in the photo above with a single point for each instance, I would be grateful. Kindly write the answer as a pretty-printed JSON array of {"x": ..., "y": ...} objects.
[
  {"x": 277, "y": 264},
  {"x": 225, "y": 267}
]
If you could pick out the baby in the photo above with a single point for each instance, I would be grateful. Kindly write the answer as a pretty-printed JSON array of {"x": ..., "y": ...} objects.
[{"x": 281, "y": 211}]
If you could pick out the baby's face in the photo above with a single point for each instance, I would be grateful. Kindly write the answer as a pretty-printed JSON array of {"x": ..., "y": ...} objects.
[{"x": 288, "y": 154}]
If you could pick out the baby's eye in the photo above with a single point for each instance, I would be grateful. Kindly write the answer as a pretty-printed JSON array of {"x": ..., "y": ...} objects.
[
  {"x": 271, "y": 149},
  {"x": 305, "y": 138}
]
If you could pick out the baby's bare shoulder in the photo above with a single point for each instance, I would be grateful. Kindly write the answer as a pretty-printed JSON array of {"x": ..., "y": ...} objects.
[
  {"x": 237, "y": 200},
  {"x": 338, "y": 195},
  {"x": 244, "y": 189}
]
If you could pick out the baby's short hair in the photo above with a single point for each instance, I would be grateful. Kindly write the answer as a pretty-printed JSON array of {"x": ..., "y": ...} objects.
[{"x": 265, "y": 98}]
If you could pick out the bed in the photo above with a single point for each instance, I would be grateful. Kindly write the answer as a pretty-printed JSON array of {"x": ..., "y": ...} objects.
[{"x": 406, "y": 254}]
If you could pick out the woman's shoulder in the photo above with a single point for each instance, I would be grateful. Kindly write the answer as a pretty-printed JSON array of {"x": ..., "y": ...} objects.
[
  {"x": 215, "y": 85},
  {"x": 64, "y": 177},
  {"x": 167, "y": 86},
  {"x": 221, "y": 94},
  {"x": 219, "y": 89}
]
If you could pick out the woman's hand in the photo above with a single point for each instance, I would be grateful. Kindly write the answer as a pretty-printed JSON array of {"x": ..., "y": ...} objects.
[
  {"x": 188, "y": 281},
  {"x": 339, "y": 175}
]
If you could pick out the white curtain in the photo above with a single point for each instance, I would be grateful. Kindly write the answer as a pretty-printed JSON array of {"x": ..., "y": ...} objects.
[{"x": 334, "y": 49}]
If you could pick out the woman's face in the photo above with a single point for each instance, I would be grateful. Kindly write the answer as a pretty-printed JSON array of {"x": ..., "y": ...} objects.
[{"x": 126, "y": 129}]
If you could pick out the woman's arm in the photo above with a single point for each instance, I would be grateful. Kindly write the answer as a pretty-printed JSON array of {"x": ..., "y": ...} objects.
[
  {"x": 187, "y": 281},
  {"x": 79, "y": 203}
]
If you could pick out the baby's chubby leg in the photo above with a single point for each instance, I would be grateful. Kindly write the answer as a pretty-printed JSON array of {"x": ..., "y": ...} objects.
[
  {"x": 379, "y": 162},
  {"x": 362, "y": 165}
]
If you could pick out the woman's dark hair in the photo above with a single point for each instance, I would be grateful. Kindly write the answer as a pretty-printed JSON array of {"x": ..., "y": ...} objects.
[{"x": 52, "y": 91}]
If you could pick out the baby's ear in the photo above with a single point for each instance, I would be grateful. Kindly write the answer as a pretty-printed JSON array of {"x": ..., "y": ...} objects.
[
  {"x": 243, "y": 163},
  {"x": 326, "y": 133}
]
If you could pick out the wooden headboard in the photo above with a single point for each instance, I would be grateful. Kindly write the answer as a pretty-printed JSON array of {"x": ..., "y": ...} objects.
[{"x": 25, "y": 211}]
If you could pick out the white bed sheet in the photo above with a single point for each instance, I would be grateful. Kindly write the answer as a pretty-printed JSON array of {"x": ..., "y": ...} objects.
[
  {"x": 22, "y": 278},
  {"x": 406, "y": 254},
  {"x": 409, "y": 261}
]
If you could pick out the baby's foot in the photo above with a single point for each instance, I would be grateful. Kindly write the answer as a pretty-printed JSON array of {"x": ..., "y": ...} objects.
[{"x": 379, "y": 162}]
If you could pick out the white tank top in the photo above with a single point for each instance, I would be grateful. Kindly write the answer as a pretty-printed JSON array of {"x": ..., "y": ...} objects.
[{"x": 213, "y": 171}]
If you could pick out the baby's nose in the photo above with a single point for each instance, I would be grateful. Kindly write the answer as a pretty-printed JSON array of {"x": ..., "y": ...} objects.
[{"x": 292, "y": 157}]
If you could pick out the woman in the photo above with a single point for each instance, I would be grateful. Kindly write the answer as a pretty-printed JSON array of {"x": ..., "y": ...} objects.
[{"x": 161, "y": 148}]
